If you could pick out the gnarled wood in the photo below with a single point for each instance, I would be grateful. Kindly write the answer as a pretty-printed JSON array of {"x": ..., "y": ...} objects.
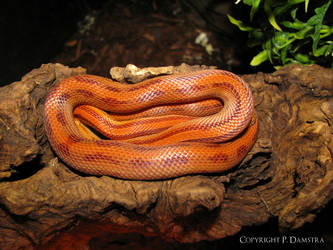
[{"x": 288, "y": 174}]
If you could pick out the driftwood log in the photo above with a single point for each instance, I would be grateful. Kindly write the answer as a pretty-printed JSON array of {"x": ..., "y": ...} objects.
[{"x": 288, "y": 174}]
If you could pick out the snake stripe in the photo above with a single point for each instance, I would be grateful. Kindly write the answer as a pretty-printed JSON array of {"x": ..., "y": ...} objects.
[
  {"x": 164, "y": 127},
  {"x": 120, "y": 130}
]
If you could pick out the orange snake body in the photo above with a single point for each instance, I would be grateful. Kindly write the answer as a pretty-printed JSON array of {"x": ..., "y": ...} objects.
[{"x": 164, "y": 127}]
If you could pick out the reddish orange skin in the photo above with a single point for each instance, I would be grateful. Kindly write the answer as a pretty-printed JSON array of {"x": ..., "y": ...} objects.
[{"x": 187, "y": 144}]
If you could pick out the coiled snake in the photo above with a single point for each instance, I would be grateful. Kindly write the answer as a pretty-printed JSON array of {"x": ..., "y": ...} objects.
[{"x": 164, "y": 127}]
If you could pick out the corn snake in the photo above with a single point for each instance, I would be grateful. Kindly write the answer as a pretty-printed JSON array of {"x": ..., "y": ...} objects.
[{"x": 204, "y": 123}]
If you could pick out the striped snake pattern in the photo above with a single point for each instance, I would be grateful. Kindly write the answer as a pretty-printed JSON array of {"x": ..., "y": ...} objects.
[{"x": 164, "y": 127}]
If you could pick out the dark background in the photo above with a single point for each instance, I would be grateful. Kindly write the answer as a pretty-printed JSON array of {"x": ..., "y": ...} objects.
[{"x": 144, "y": 33}]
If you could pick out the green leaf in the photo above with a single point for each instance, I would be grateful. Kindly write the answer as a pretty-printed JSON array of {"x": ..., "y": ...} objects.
[
  {"x": 254, "y": 9},
  {"x": 325, "y": 31},
  {"x": 320, "y": 13},
  {"x": 284, "y": 54},
  {"x": 306, "y": 6},
  {"x": 293, "y": 2},
  {"x": 325, "y": 50},
  {"x": 293, "y": 25},
  {"x": 293, "y": 13},
  {"x": 260, "y": 58},
  {"x": 284, "y": 7},
  {"x": 303, "y": 58},
  {"x": 270, "y": 14},
  {"x": 290, "y": 60},
  {"x": 302, "y": 34},
  {"x": 329, "y": 51},
  {"x": 317, "y": 21},
  {"x": 248, "y": 2},
  {"x": 297, "y": 24},
  {"x": 291, "y": 45},
  {"x": 268, "y": 48},
  {"x": 239, "y": 24},
  {"x": 282, "y": 39}
]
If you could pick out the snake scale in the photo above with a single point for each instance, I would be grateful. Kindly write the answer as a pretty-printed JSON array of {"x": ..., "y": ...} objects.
[{"x": 164, "y": 127}]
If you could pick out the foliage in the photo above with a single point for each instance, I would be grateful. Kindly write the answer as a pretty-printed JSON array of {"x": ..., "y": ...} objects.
[{"x": 285, "y": 38}]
